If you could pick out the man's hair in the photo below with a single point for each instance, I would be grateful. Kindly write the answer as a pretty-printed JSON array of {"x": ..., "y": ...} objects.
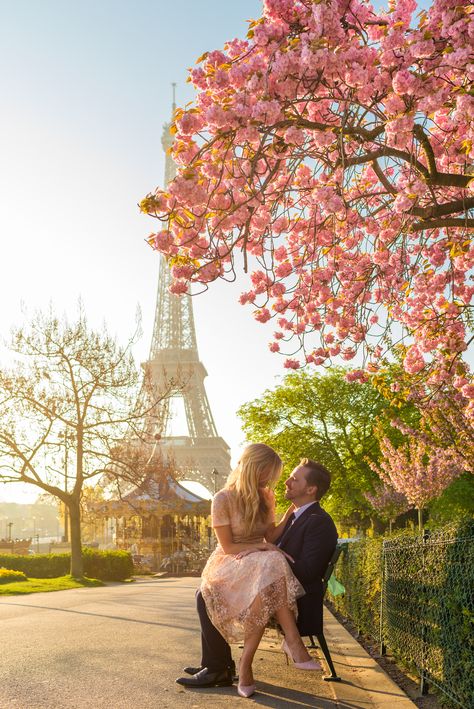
[{"x": 316, "y": 474}]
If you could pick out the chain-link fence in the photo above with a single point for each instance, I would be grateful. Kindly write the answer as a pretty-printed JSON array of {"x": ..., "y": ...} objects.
[{"x": 416, "y": 597}]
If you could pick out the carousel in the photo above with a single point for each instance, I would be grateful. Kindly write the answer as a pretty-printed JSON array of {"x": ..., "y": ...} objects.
[{"x": 164, "y": 526}]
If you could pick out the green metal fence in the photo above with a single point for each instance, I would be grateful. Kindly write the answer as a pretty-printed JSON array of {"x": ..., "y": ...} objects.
[{"x": 415, "y": 596}]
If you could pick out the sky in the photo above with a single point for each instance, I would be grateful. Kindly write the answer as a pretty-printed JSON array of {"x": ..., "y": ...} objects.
[{"x": 86, "y": 89}]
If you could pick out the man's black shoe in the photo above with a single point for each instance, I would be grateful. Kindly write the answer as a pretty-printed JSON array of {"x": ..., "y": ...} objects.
[
  {"x": 192, "y": 670},
  {"x": 204, "y": 678},
  {"x": 195, "y": 670}
]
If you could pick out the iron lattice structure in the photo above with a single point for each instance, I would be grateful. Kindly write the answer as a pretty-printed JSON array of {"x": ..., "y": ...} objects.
[{"x": 202, "y": 455}]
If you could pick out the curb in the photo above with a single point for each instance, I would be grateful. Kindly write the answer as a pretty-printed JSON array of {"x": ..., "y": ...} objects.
[{"x": 364, "y": 683}]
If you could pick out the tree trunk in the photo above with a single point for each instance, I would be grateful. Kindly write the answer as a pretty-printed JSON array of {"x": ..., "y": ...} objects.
[
  {"x": 420, "y": 519},
  {"x": 66, "y": 524},
  {"x": 77, "y": 564}
]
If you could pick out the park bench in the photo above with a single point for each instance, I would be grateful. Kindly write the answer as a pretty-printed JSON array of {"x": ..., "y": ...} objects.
[{"x": 333, "y": 677}]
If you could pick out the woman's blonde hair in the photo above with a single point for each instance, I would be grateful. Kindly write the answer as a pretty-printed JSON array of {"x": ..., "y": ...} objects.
[{"x": 256, "y": 461}]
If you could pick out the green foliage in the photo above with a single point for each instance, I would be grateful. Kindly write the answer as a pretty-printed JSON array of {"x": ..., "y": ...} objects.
[
  {"x": 9, "y": 575},
  {"x": 324, "y": 417},
  {"x": 456, "y": 502},
  {"x": 423, "y": 587},
  {"x": 104, "y": 565}
]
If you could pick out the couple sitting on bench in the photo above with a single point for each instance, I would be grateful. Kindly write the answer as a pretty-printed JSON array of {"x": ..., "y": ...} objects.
[{"x": 261, "y": 570}]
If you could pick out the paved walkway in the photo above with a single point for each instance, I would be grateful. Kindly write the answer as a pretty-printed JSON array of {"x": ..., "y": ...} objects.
[{"x": 123, "y": 645}]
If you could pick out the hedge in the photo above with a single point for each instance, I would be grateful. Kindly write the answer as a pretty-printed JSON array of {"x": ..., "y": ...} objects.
[
  {"x": 359, "y": 570},
  {"x": 104, "y": 565}
]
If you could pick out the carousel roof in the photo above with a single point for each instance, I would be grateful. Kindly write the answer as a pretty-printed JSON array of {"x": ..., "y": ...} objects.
[
  {"x": 163, "y": 496},
  {"x": 155, "y": 490}
]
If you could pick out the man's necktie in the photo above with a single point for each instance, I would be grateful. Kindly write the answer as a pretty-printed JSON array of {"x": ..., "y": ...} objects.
[{"x": 289, "y": 524}]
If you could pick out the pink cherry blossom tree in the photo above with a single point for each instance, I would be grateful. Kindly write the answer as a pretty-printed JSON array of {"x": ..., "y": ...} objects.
[
  {"x": 417, "y": 468},
  {"x": 445, "y": 409},
  {"x": 388, "y": 503},
  {"x": 329, "y": 155}
]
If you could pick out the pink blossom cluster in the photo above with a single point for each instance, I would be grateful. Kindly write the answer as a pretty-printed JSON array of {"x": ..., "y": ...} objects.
[
  {"x": 418, "y": 470},
  {"x": 447, "y": 419},
  {"x": 387, "y": 502},
  {"x": 328, "y": 153}
]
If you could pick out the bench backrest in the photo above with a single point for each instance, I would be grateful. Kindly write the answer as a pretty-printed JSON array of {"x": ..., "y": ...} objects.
[{"x": 330, "y": 567}]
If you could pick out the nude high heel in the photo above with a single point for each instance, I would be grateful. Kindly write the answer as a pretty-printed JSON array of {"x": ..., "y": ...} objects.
[
  {"x": 245, "y": 691},
  {"x": 308, "y": 665}
]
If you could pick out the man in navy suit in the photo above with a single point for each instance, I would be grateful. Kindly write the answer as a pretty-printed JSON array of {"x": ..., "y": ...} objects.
[{"x": 310, "y": 538}]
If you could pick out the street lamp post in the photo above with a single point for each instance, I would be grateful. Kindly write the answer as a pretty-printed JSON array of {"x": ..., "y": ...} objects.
[{"x": 215, "y": 474}]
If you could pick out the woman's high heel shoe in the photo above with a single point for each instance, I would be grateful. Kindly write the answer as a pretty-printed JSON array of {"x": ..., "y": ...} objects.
[
  {"x": 245, "y": 691},
  {"x": 308, "y": 665}
]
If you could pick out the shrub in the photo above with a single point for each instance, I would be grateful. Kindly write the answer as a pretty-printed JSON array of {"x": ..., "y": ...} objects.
[
  {"x": 107, "y": 565},
  {"x": 104, "y": 565},
  {"x": 10, "y": 575}
]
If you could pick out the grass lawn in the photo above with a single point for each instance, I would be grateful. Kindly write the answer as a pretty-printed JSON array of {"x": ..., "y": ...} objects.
[{"x": 61, "y": 583}]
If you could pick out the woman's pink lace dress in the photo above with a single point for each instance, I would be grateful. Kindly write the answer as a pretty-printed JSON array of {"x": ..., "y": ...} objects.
[{"x": 243, "y": 594}]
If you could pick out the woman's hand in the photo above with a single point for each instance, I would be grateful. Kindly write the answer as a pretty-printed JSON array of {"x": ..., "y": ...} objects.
[
  {"x": 289, "y": 511},
  {"x": 263, "y": 546},
  {"x": 266, "y": 546},
  {"x": 272, "y": 547},
  {"x": 260, "y": 546},
  {"x": 246, "y": 552}
]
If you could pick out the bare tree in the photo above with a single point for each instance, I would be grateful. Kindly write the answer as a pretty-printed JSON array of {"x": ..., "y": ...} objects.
[{"x": 74, "y": 406}]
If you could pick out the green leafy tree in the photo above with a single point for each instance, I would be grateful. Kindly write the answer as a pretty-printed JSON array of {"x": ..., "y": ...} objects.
[
  {"x": 455, "y": 503},
  {"x": 327, "y": 418},
  {"x": 73, "y": 407}
]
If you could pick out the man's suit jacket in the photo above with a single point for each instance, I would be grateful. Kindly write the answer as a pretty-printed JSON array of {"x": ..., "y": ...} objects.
[{"x": 311, "y": 541}]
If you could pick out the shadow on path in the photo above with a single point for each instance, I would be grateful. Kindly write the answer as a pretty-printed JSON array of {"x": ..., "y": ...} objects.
[
  {"x": 104, "y": 615},
  {"x": 274, "y": 695}
]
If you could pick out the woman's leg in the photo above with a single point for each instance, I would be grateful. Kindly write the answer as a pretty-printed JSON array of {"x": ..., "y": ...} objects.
[
  {"x": 251, "y": 643},
  {"x": 286, "y": 620}
]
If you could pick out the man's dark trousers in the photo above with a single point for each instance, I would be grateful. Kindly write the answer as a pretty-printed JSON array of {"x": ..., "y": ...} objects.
[{"x": 216, "y": 654}]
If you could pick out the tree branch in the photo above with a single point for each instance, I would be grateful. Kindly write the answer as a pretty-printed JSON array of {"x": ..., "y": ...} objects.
[
  {"x": 383, "y": 179},
  {"x": 430, "y": 158},
  {"x": 388, "y": 152},
  {"x": 442, "y": 223},
  {"x": 439, "y": 210}
]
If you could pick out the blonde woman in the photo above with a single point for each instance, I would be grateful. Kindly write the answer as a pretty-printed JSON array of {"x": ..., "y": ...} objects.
[{"x": 247, "y": 579}]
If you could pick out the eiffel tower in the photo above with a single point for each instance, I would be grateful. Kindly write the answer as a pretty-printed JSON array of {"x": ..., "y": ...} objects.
[{"x": 202, "y": 455}]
